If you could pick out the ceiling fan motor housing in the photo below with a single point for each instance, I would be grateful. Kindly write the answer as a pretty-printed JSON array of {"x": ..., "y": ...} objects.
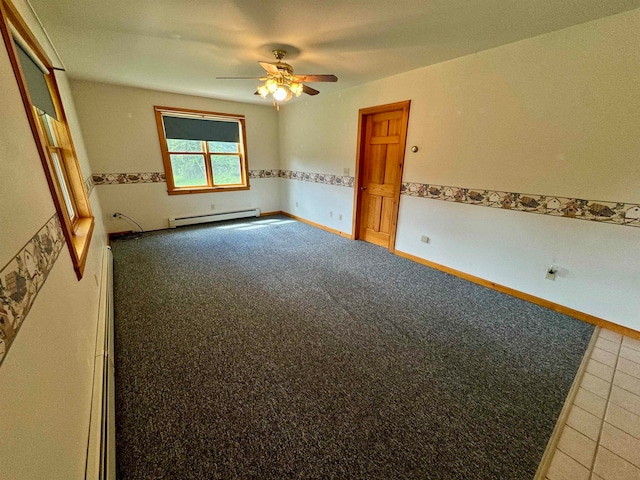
[
  {"x": 284, "y": 68},
  {"x": 279, "y": 54}
]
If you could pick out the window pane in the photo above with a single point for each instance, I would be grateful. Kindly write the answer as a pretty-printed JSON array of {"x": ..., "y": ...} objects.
[
  {"x": 49, "y": 130},
  {"x": 184, "y": 145},
  {"x": 226, "y": 169},
  {"x": 63, "y": 185},
  {"x": 223, "y": 147},
  {"x": 188, "y": 170}
]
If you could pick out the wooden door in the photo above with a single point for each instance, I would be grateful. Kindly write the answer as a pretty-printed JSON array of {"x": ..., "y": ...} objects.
[{"x": 382, "y": 141}]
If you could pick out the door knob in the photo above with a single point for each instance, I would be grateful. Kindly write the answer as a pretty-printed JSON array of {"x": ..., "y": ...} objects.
[{"x": 363, "y": 188}]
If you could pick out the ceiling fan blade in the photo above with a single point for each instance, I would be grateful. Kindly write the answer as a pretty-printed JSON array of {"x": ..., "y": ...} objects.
[
  {"x": 317, "y": 78},
  {"x": 309, "y": 91},
  {"x": 270, "y": 68},
  {"x": 239, "y": 78}
]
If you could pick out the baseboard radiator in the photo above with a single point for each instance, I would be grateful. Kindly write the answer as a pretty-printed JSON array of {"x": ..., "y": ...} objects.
[
  {"x": 214, "y": 217},
  {"x": 101, "y": 448}
]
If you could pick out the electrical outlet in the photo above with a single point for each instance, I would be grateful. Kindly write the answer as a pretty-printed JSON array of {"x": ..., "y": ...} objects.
[
  {"x": 340, "y": 217},
  {"x": 213, "y": 206},
  {"x": 296, "y": 204},
  {"x": 330, "y": 214},
  {"x": 551, "y": 273},
  {"x": 346, "y": 172},
  {"x": 424, "y": 239}
]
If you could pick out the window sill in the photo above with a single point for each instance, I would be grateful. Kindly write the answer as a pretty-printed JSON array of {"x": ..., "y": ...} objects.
[
  {"x": 188, "y": 190},
  {"x": 80, "y": 241}
]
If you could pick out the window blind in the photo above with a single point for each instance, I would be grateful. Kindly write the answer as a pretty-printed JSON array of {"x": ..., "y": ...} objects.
[
  {"x": 181, "y": 128},
  {"x": 36, "y": 83}
]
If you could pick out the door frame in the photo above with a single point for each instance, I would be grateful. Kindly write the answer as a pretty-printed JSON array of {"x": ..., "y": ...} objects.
[{"x": 357, "y": 195}]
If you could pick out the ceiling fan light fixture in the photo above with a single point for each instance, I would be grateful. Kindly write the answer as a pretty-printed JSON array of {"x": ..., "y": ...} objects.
[
  {"x": 263, "y": 91},
  {"x": 281, "y": 93},
  {"x": 296, "y": 88},
  {"x": 271, "y": 84}
]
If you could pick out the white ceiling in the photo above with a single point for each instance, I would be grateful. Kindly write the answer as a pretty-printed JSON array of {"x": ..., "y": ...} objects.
[{"x": 182, "y": 45}]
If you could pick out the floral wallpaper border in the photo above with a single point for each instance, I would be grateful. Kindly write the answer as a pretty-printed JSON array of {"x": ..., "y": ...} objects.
[
  {"x": 122, "y": 178},
  {"x": 607, "y": 212},
  {"x": 158, "y": 177},
  {"x": 339, "y": 180},
  {"x": 23, "y": 277},
  {"x": 89, "y": 184},
  {"x": 264, "y": 173}
]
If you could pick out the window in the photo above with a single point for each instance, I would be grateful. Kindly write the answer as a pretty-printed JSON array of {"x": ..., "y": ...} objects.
[
  {"x": 202, "y": 151},
  {"x": 38, "y": 88},
  {"x": 50, "y": 128}
]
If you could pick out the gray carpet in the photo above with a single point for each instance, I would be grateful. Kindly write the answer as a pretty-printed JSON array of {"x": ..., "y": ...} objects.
[{"x": 269, "y": 349}]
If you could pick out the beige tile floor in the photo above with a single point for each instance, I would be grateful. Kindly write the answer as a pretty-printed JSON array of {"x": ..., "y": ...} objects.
[{"x": 599, "y": 438}]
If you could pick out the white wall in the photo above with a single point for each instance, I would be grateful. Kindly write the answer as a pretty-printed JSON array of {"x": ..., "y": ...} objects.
[
  {"x": 557, "y": 115},
  {"x": 598, "y": 263},
  {"x": 121, "y": 136},
  {"x": 331, "y": 203},
  {"x": 45, "y": 378}
]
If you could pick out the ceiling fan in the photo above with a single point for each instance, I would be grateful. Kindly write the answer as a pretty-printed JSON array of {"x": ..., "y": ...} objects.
[{"x": 280, "y": 81}]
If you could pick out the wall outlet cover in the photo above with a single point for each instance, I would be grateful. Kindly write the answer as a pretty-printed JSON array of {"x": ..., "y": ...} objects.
[{"x": 552, "y": 271}]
